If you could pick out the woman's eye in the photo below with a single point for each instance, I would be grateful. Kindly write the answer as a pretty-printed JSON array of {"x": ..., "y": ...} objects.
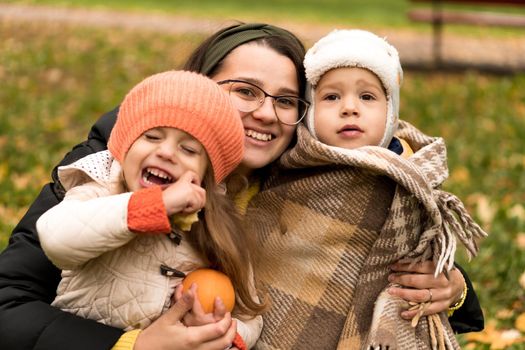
[
  {"x": 286, "y": 102},
  {"x": 246, "y": 92}
]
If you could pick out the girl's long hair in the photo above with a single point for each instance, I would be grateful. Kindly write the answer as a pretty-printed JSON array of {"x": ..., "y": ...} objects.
[{"x": 219, "y": 236}]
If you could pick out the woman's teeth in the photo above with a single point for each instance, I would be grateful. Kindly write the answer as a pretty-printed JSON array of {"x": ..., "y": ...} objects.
[{"x": 258, "y": 136}]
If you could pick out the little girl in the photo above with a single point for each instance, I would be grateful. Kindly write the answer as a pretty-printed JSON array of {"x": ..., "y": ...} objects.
[{"x": 114, "y": 235}]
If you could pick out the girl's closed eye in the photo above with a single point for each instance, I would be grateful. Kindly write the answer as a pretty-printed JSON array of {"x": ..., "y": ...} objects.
[
  {"x": 191, "y": 149},
  {"x": 152, "y": 135}
]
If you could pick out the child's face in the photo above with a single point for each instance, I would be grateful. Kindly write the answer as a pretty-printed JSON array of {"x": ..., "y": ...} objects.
[
  {"x": 350, "y": 108},
  {"x": 160, "y": 156}
]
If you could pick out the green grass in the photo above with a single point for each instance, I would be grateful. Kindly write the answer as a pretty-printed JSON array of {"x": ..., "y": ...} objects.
[
  {"x": 483, "y": 121},
  {"x": 55, "y": 83},
  {"x": 341, "y": 13},
  {"x": 57, "y": 80},
  {"x": 356, "y": 12}
]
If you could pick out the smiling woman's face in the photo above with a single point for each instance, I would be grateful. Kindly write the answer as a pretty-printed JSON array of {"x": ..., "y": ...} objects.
[{"x": 265, "y": 138}]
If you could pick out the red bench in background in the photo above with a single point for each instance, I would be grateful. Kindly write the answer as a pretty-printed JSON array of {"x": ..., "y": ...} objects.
[{"x": 437, "y": 15}]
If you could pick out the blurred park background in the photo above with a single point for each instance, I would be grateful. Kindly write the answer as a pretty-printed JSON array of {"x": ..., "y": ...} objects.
[{"x": 59, "y": 73}]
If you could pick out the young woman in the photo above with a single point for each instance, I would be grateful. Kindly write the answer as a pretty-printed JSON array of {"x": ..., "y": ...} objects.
[{"x": 265, "y": 57}]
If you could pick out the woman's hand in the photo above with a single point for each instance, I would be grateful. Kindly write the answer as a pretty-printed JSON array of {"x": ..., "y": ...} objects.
[
  {"x": 169, "y": 333},
  {"x": 419, "y": 279},
  {"x": 196, "y": 316}
]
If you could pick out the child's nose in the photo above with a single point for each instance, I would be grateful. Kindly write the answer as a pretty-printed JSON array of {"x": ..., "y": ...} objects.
[
  {"x": 349, "y": 107},
  {"x": 167, "y": 151}
]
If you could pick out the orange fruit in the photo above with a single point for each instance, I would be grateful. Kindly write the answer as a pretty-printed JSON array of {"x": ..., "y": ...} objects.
[{"x": 210, "y": 284}]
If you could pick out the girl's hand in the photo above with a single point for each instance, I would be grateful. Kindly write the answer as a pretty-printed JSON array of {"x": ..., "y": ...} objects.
[
  {"x": 184, "y": 196},
  {"x": 196, "y": 316},
  {"x": 419, "y": 279},
  {"x": 168, "y": 332}
]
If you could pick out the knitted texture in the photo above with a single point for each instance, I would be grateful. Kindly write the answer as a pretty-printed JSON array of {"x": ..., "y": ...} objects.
[
  {"x": 356, "y": 48},
  {"x": 238, "y": 342},
  {"x": 127, "y": 340},
  {"x": 187, "y": 101},
  {"x": 146, "y": 212},
  {"x": 330, "y": 226}
]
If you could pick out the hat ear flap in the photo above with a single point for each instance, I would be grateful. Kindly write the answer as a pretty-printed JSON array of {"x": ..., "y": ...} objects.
[{"x": 310, "y": 116}]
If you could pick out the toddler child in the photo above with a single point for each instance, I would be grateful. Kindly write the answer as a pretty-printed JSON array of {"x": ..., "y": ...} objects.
[
  {"x": 176, "y": 138},
  {"x": 359, "y": 194}
]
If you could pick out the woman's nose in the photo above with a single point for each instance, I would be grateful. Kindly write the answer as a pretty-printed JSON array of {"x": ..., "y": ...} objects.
[{"x": 266, "y": 112}]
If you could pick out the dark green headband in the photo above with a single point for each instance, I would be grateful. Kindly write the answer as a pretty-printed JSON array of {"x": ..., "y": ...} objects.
[{"x": 223, "y": 44}]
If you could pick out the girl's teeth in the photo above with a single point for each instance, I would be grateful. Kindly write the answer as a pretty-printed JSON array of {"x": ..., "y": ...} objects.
[
  {"x": 258, "y": 136},
  {"x": 145, "y": 178},
  {"x": 158, "y": 174}
]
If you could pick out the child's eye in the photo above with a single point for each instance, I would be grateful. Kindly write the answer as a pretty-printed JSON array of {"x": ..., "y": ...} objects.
[
  {"x": 151, "y": 136},
  {"x": 189, "y": 150},
  {"x": 368, "y": 97},
  {"x": 331, "y": 97}
]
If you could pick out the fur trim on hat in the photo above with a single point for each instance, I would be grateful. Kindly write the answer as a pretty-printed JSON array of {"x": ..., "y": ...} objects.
[{"x": 362, "y": 49}]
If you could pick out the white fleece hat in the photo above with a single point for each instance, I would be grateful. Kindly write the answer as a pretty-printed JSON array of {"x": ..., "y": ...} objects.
[{"x": 356, "y": 48}]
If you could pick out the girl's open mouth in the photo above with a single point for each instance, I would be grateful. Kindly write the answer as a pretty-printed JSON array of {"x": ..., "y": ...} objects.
[{"x": 155, "y": 176}]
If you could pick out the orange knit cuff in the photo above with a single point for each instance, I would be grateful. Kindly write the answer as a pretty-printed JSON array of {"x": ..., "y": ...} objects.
[
  {"x": 146, "y": 212},
  {"x": 239, "y": 343}
]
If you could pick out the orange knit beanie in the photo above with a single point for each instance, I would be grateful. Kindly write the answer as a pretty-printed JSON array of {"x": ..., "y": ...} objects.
[{"x": 187, "y": 101}]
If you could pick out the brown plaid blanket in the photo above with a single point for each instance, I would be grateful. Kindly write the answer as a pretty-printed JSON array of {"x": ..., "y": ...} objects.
[{"x": 330, "y": 223}]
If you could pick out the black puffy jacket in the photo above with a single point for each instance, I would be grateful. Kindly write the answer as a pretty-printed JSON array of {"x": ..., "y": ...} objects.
[{"x": 28, "y": 280}]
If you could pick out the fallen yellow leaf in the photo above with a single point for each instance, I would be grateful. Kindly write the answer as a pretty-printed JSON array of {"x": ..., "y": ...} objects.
[
  {"x": 460, "y": 174},
  {"x": 504, "y": 314},
  {"x": 522, "y": 280},
  {"x": 518, "y": 212},
  {"x": 506, "y": 338},
  {"x": 520, "y": 323},
  {"x": 4, "y": 167},
  {"x": 497, "y": 339},
  {"x": 484, "y": 336},
  {"x": 485, "y": 210},
  {"x": 520, "y": 240}
]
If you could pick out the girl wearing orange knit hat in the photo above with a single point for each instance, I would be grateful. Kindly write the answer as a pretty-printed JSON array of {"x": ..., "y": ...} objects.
[{"x": 122, "y": 234}]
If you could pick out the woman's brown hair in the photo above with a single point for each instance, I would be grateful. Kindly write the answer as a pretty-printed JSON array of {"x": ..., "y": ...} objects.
[
  {"x": 220, "y": 237},
  {"x": 282, "y": 41}
]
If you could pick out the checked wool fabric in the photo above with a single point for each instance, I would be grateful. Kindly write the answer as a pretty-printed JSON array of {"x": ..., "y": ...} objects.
[{"x": 330, "y": 222}]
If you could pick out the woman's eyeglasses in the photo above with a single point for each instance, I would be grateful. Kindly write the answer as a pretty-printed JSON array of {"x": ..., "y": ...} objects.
[{"x": 248, "y": 97}]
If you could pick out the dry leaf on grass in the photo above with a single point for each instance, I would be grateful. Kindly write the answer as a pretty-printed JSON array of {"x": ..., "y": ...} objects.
[{"x": 496, "y": 338}]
